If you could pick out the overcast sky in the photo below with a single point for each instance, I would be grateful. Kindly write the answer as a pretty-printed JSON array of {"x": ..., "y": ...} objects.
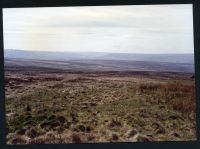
[{"x": 124, "y": 29}]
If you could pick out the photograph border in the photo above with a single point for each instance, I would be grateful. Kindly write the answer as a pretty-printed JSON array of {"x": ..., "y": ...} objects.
[{"x": 67, "y": 3}]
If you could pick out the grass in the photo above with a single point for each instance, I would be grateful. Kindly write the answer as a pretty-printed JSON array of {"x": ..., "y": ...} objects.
[
  {"x": 99, "y": 109},
  {"x": 180, "y": 97}
]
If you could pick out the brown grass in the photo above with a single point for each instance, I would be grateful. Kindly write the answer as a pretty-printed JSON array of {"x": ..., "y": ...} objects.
[
  {"x": 82, "y": 109},
  {"x": 181, "y": 97}
]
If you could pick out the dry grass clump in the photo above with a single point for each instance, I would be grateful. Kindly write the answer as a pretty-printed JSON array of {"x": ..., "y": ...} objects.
[
  {"x": 52, "y": 79},
  {"x": 37, "y": 141},
  {"x": 17, "y": 139},
  {"x": 115, "y": 123},
  {"x": 76, "y": 138},
  {"x": 181, "y": 97},
  {"x": 144, "y": 87},
  {"x": 184, "y": 105},
  {"x": 32, "y": 133},
  {"x": 79, "y": 79},
  {"x": 48, "y": 138}
]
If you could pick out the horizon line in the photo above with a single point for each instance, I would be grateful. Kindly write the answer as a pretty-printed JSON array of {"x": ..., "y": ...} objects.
[{"x": 89, "y": 52}]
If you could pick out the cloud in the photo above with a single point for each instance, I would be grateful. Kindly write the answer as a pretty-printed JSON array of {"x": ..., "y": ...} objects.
[{"x": 134, "y": 29}]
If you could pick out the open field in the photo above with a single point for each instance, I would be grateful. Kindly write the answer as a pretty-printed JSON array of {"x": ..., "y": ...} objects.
[
  {"x": 99, "y": 74},
  {"x": 64, "y": 107}
]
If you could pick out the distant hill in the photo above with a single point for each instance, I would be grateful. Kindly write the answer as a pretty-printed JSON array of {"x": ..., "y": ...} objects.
[
  {"x": 77, "y": 61},
  {"x": 65, "y": 56}
]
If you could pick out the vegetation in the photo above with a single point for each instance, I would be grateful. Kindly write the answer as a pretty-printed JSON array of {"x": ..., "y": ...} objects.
[{"x": 89, "y": 107}]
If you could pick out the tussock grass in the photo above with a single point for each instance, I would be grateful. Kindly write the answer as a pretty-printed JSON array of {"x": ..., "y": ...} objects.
[
  {"x": 181, "y": 97},
  {"x": 84, "y": 109}
]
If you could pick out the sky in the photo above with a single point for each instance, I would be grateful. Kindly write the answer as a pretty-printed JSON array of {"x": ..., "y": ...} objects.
[{"x": 116, "y": 29}]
